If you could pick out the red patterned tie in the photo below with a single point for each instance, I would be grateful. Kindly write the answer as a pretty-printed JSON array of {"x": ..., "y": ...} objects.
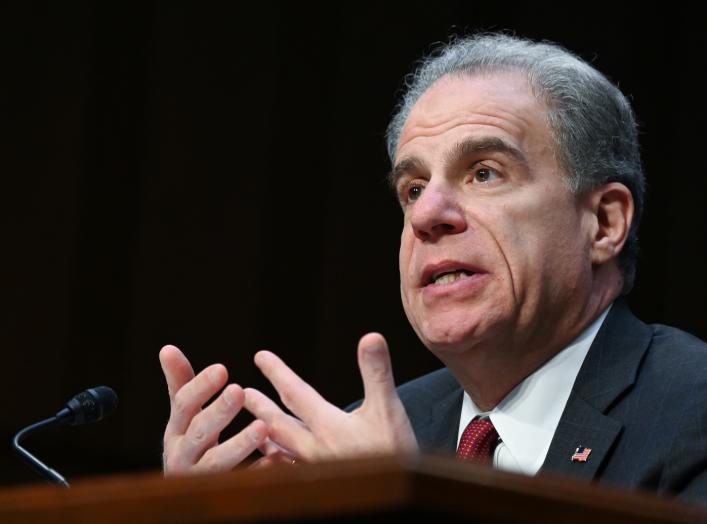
[{"x": 478, "y": 441}]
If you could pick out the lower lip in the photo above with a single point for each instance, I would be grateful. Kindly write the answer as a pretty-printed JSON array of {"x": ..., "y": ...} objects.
[{"x": 466, "y": 285}]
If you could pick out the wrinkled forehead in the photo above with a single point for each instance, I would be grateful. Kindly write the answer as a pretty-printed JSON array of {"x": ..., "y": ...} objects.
[{"x": 500, "y": 99}]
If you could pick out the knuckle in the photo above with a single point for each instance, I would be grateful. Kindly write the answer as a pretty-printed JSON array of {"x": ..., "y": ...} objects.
[
  {"x": 198, "y": 435},
  {"x": 182, "y": 401},
  {"x": 275, "y": 429},
  {"x": 378, "y": 372},
  {"x": 287, "y": 396},
  {"x": 224, "y": 410}
]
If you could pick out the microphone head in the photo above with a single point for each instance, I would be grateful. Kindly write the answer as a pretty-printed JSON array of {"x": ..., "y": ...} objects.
[{"x": 89, "y": 406}]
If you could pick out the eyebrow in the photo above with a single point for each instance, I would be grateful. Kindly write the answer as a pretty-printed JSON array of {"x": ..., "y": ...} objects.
[
  {"x": 457, "y": 152},
  {"x": 406, "y": 165},
  {"x": 472, "y": 146}
]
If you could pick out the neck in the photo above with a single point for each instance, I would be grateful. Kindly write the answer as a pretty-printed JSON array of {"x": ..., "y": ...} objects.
[{"x": 488, "y": 371}]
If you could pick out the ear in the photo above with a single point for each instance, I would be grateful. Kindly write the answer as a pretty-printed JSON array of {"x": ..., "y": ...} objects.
[{"x": 612, "y": 210}]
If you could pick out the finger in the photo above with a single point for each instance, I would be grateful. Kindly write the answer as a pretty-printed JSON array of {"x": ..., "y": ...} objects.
[
  {"x": 235, "y": 450},
  {"x": 205, "y": 427},
  {"x": 270, "y": 460},
  {"x": 176, "y": 368},
  {"x": 268, "y": 447},
  {"x": 194, "y": 394},
  {"x": 376, "y": 370},
  {"x": 297, "y": 396},
  {"x": 285, "y": 430}
]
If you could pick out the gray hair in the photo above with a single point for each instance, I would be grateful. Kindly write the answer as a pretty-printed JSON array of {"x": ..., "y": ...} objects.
[{"x": 592, "y": 121}]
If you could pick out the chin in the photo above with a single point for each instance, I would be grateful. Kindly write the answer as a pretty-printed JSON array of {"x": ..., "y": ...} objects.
[
  {"x": 448, "y": 337},
  {"x": 456, "y": 333}
]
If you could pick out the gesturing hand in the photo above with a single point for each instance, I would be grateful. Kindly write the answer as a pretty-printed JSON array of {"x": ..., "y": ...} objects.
[
  {"x": 191, "y": 437},
  {"x": 321, "y": 431}
]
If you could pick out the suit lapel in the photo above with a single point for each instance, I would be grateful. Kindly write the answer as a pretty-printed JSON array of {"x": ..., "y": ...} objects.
[
  {"x": 581, "y": 425},
  {"x": 437, "y": 431},
  {"x": 609, "y": 370}
]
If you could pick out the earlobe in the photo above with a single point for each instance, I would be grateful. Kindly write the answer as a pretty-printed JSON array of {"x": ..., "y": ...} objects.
[{"x": 612, "y": 205}]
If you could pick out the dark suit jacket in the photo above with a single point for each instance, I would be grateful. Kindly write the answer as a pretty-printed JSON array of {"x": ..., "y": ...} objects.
[{"x": 639, "y": 402}]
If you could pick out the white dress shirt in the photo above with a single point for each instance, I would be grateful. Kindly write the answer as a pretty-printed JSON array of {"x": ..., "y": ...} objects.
[{"x": 526, "y": 419}]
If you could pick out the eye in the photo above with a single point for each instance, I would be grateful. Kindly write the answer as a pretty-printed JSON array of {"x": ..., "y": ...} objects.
[
  {"x": 413, "y": 192},
  {"x": 484, "y": 175},
  {"x": 410, "y": 192}
]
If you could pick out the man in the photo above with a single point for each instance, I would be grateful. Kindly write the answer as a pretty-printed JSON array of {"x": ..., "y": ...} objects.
[{"x": 518, "y": 171}]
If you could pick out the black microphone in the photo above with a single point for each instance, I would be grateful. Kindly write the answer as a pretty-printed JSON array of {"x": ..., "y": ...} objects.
[{"x": 88, "y": 406}]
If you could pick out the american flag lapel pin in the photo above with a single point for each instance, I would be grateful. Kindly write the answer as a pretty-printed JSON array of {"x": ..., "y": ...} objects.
[{"x": 581, "y": 454}]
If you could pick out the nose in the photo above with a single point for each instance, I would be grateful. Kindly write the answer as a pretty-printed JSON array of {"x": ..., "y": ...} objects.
[{"x": 437, "y": 212}]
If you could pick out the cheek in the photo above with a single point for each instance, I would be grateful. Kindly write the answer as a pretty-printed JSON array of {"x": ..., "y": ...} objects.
[
  {"x": 526, "y": 228},
  {"x": 405, "y": 255},
  {"x": 541, "y": 243},
  {"x": 405, "y": 265}
]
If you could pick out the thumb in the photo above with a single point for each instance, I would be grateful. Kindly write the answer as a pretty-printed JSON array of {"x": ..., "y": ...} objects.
[{"x": 376, "y": 370}]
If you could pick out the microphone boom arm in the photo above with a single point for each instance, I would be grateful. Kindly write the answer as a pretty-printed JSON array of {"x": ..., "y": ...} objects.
[{"x": 48, "y": 473}]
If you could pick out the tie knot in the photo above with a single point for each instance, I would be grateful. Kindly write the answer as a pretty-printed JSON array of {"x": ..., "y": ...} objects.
[{"x": 478, "y": 441}]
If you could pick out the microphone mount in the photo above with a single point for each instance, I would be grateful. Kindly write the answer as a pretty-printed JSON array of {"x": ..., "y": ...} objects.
[
  {"x": 40, "y": 467},
  {"x": 88, "y": 406}
]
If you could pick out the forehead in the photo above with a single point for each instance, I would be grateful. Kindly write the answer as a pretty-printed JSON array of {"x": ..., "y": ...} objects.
[{"x": 499, "y": 103}]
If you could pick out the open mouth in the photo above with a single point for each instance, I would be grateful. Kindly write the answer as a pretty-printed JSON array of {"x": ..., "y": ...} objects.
[{"x": 449, "y": 277}]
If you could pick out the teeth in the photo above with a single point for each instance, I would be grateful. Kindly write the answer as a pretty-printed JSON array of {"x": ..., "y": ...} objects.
[{"x": 448, "y": 278}]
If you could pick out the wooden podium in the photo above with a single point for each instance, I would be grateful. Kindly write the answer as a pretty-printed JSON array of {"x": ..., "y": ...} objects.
[{"x": 386, "y": 489}]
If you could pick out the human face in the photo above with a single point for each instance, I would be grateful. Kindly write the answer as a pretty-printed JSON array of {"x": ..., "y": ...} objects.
[{"x": 486, "y": 204}]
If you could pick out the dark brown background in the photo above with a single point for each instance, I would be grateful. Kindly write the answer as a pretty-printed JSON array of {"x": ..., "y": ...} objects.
[{"x": 212, "y": 176}]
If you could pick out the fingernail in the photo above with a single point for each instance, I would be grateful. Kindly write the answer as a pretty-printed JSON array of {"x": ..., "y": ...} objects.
[
  {"x": 374, "y": 349},
  {"x": 213, "y": 374}
]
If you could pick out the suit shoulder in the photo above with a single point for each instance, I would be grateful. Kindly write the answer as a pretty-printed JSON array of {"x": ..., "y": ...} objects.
[
  {"x": 677, "y": 348},
  {"x": 674, "y": 371},
  {"x": 672, "y": 336},
  {"x": 676, "y": 382}
]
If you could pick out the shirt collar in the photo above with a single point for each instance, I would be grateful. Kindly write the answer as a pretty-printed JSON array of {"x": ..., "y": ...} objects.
[{"x": 526, "y": 419}]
